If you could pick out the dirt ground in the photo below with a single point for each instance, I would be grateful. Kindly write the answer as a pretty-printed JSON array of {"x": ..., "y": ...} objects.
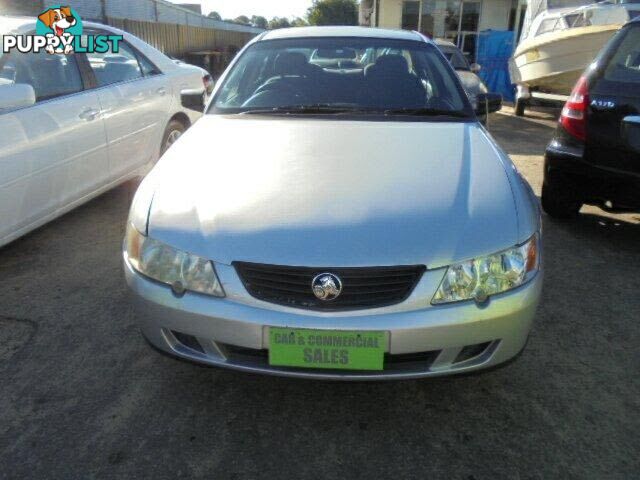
[{"x": 83, "y": 396}]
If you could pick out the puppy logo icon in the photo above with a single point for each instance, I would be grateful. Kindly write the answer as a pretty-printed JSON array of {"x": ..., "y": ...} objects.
[
  {"x": 62, "y": 23},
  {"x": 59, "y": 30}
]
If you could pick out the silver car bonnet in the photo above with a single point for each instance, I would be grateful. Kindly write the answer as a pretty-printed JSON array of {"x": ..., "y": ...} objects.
[{"x": 320, "y": 192}]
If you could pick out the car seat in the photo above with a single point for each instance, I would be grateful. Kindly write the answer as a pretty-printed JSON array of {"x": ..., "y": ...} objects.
[{"x": 390, "y": 84}]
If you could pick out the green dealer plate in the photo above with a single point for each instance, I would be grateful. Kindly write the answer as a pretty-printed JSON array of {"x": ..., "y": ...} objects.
[{"x": 331, "y": 349}]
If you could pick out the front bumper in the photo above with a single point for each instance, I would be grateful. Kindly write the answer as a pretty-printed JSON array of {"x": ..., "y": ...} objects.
[{"x": 424, "y": 340}]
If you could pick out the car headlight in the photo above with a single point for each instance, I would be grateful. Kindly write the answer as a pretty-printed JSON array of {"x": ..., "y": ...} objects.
[
  {"x": 160, "y": 262},
  {"x": 482, "y": 277}
]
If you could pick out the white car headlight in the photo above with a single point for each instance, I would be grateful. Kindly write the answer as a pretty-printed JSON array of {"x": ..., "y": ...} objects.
[
  {"x": 160, "y": 262},
  {"x": 482, "y": 277}
]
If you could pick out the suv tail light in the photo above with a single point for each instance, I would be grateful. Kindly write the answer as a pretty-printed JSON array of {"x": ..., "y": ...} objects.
[{"x": 574, "y": 113}]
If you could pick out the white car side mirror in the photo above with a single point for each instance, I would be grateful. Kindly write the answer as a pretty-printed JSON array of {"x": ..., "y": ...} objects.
[
  {"x": 18, "y": 95},
  {"x": 475, "y": 68}
]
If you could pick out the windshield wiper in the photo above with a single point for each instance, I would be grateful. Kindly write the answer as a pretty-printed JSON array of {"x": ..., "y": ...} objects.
[
  {"x": 426, "y": 112},
  {"x": 323, "y": 108},
  {"x": 333, "y": 109}
]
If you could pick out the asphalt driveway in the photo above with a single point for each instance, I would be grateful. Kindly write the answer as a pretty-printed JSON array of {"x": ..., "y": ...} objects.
[{"x": 83, "y": 396}]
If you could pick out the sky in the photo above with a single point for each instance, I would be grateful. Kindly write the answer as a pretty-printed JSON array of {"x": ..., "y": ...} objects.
[{"x": 266, "y": 8}]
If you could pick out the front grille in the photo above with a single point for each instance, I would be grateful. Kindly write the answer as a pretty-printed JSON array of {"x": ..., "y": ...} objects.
[{"x": 368, "y": 287}]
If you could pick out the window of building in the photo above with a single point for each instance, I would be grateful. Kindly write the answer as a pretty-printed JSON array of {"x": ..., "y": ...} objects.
[
  {"x": 455, "y": 20},
  {"x": 470, "y": 16},
  {"x": 410, "y": 12},
  {"x": 452, "y": 16}
]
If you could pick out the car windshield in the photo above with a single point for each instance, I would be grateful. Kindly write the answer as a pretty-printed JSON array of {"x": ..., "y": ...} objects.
[
  {"x": 342, "y": 75},
  {"x": 455, "y": 57}
]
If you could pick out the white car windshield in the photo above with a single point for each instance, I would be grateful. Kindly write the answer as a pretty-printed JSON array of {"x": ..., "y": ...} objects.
[{"x": 336, "y": 75}]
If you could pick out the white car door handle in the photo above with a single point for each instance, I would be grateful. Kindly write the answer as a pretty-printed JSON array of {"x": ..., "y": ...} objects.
[
  {"x": 89, "y": 114},
  {"x": 162, "y": 91}
]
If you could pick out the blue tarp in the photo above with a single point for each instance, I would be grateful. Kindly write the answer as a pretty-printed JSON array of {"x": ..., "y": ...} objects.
[{"x": 494, "y": 50}]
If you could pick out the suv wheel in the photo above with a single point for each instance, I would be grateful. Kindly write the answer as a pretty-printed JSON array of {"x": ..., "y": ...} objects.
[{"x": 559, "y": 200}]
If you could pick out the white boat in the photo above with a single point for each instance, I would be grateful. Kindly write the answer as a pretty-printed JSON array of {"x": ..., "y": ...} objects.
[{"x": 560, "y": 43}]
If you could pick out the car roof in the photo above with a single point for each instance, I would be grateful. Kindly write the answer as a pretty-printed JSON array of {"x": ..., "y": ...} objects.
[{"x": 360, "y": 32}]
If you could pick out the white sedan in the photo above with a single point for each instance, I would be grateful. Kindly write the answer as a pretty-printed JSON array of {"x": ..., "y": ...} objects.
[{"x": 75, "y": 126}]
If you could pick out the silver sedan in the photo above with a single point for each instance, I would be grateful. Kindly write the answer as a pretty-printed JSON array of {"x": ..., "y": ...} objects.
[{"x": 337, "y": 221}]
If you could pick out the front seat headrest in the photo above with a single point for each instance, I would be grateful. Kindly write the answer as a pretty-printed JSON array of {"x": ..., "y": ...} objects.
[
  {"x": 392, "y": 63},
  {"x": 291, "y": 63}
]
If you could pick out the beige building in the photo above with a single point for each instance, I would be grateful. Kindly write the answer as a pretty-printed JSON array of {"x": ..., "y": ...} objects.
[{"x": 459, "y": 21}]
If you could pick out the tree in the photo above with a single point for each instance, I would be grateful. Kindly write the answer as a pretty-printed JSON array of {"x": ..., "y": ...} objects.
[
  {"x": 215, "y": 16},
  {"x": 278, "y": 22},
  {"x": 259, "y": 22},
  {"x": 242, "y": 20},
  {"x": 333, "y": 12},
  {"x": 299, "y": 22}
]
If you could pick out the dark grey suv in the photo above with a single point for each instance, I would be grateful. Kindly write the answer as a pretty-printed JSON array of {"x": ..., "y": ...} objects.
[{"x": 594, "y": 157}]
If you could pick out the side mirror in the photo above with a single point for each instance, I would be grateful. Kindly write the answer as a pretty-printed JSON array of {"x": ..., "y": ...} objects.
[
  {"x": 631, "y": 132},
  {"x": 17, "y": 95},
  {"x": 475, "y": 68},
  {"x": 193, "y": 99},
  {"x": 488, "y": 103}
]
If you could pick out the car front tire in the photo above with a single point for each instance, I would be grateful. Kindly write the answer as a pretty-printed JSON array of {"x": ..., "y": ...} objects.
[{"x": 174, "y": 130}]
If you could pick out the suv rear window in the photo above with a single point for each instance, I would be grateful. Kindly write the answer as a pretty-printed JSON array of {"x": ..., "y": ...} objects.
[{"x": 624, "y": 65}]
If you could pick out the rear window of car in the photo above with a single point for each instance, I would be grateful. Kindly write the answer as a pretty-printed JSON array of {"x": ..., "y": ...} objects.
[
  {"x": 624, "y": 65},
  {"x": 455, "y": 57}
]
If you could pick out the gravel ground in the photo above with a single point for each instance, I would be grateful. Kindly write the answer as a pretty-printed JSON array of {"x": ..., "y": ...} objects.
[{"x": 83, "y": 396}]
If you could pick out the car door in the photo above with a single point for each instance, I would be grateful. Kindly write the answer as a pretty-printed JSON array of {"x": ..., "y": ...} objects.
[
  {"x": 613, "y": 134},
  {"x": 53, "y": 152},
  {"x": 135, "y": 101}
]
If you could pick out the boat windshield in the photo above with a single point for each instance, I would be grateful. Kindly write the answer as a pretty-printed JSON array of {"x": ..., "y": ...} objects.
[
  {"x": 585, "y": 16},
  {"x": 536, "y": 7},
  {"x": 549, "y": 25}
]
